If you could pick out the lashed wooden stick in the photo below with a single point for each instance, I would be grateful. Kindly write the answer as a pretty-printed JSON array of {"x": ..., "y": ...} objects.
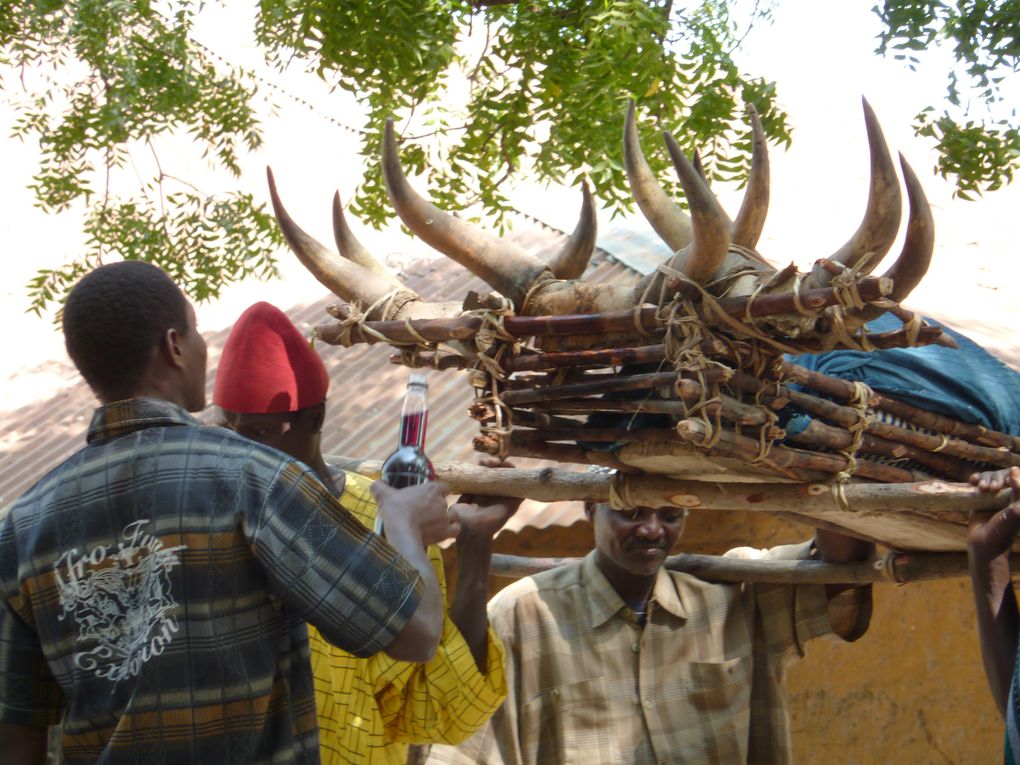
[
  {"x": 466, "y": 327},
  {"x": 610, "y": 384},
  {"x": 910, "y": 414},
  {"x": 848, "y": 417},
  {"x": 819, "y": 435},
  {"x": 896, "y": 567},
  {"x": 687, "y": 391},
  {"x": 697, "y": 432}
]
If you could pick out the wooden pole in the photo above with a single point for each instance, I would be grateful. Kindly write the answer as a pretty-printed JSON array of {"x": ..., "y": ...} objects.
[
  {"x": 923, "y": 516},
  {"x": 894, "y": 568},
  {"x": 933, "y": 497}
]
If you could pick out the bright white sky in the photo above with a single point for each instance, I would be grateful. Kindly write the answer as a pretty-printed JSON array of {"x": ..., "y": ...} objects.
[{"x": 820, "y": 55}]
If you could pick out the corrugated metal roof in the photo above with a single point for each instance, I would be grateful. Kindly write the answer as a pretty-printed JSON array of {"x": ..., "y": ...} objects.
[{"x": 365, "y": 391}]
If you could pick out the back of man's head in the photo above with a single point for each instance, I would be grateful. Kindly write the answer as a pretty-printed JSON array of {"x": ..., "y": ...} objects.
[
  {"x": 115, "y": 318},
  {"x": 267, "y": 367}
]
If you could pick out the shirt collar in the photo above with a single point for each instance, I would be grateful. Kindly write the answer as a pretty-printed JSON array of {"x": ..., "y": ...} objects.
[
  {"x": 604, "y": 602},
  {"x": 122, "y": 417}
]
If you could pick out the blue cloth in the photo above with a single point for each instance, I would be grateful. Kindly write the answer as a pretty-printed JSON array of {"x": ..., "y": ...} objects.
[{"x": 967, "y": 384}]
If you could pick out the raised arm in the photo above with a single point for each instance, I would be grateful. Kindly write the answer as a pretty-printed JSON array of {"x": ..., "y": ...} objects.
[
  {"x": 414, "y": 518},
  {"x": 356, "y": 588},
  {"x": 989, "y": 540},
  {"x": 480, "y": 519}
]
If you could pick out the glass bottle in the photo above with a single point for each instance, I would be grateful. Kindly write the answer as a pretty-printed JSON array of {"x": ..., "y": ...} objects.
[{"x": 408, "y": 465}]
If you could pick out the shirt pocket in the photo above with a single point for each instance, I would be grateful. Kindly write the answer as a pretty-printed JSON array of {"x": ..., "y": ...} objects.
[
  {"x": 705, "y": 712},
  {"x": 568, "y": 724},
  {"x": 720, "y": 685}
]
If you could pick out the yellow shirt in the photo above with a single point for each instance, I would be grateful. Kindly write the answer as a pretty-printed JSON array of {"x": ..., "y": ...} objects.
[{"x": 369, "y": 710}]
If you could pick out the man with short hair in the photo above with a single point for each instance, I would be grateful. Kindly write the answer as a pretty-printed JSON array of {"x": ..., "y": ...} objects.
[
  {"x": 616, "y": 659},
  {"x": 271, "y": 387},
  {"x": 155, "y": 587}
]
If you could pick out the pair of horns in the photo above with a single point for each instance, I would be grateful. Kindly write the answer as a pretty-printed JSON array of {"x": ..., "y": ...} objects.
[
  {"x": 505, "y": 267},
  {"x": 701, "y": 239}
]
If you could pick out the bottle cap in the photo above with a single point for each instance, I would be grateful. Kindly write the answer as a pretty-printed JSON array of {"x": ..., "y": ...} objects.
[{"x": 418, "y": 378}]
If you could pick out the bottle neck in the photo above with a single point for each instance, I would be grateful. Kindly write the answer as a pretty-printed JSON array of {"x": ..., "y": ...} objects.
[{"x": 414, "y": 418}]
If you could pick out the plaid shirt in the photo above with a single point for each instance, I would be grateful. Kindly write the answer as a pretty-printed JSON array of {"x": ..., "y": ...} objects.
[
  {"x": 702, "y": 682},
  {"x": 370, "y": 709},
  {"x": 154, "y": 590}
]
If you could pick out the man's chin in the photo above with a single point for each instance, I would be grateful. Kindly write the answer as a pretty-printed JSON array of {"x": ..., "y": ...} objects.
[{"x": 647, "y": 561}]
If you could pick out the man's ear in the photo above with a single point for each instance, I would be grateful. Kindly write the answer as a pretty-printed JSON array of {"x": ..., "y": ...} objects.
[
  {"x": 315, "y": 416},
  {"x": 170, "y": 347},
  {"x": 319, "y": 411}
]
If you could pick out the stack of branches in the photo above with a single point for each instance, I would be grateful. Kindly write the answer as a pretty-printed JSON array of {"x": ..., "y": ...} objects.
[{"x": 685, "y": 373}]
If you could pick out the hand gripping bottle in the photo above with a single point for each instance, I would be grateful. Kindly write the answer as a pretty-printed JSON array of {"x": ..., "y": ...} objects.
[{"x": 408, "y": 465}]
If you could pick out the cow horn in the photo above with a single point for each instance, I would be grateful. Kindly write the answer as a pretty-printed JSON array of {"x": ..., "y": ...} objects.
[
  {"x": 671, "y": 223},
  {"x": 346, "y": 279},
  {"x": 699, "y": 166},
  {"x": 504, "y": 267},
  {"x": 349, "y": 246},
  {"x": 710, "y": 226},
  {"x": 750, "y": 220},
  {"x": 919, "y": 242},
  {"x": 881, "y": 219},
  {"x": 572, "y": 260}
]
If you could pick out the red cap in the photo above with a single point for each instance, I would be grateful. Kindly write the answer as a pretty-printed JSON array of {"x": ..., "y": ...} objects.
[{"x": 267, "y": 367}]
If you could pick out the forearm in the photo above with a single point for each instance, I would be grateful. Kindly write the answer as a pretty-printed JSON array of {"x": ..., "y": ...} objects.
[
  {"x": 467, "y": 611},
  {"x": 998, "y": 621},
  {"x": 420, "y": 637},
  {"x": 834, "y": 547}
]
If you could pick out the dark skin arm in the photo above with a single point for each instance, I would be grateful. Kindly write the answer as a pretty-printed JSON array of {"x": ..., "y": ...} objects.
[
  {"x": 23, "y": 744},
  {"x": 834, "y": 547},
  {"x": 989, "y": 540},
  {"x": 479, "y": 522},
  {"x": 415, "y": 518}
]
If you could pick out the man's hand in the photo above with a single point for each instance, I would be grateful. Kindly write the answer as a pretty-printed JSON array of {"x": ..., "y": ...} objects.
[
  {"x": 421, "y": 508},
  {"x": 481, "y": 516},
  {"x": 991, "y": 534}
]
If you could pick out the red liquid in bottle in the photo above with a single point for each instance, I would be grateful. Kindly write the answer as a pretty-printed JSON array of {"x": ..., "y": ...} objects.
[{"x": 408, "y": 465}]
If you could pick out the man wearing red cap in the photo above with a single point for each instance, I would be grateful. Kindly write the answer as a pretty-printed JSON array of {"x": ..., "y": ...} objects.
[{"x": 272, "y": 388}]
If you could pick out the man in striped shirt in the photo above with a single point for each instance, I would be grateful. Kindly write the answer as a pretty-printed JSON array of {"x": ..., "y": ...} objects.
[
  {"x": 271, "y": 387},
  {"x": 616, "y": 659},
  {"x": 155, "y": 587}
]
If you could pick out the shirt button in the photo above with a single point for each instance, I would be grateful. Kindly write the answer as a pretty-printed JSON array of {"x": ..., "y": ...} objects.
[
  {"x": 648, "y": 704},
  {"x": 636, "y": 648},
  {"x": 556, "y": 693}
]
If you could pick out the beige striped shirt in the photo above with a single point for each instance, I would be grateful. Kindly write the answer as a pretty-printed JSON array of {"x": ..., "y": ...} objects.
[{"x": 702, "y": 682}]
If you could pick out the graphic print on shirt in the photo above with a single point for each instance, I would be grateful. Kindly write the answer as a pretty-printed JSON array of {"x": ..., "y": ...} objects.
[{"x": 119, "y": 597}]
